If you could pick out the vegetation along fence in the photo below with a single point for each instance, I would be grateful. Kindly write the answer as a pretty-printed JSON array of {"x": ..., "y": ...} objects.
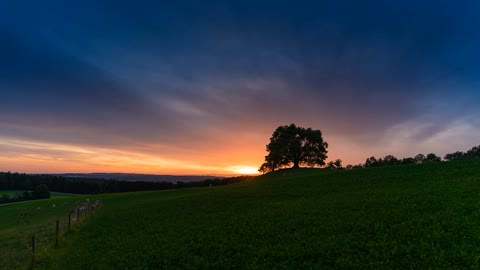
[{"x": 27, "y": 245}]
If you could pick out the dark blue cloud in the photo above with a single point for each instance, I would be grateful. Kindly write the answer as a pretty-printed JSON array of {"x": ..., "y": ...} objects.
[
  {"x": 151, "y": 70},
  {"x": 47, "y": 87}
]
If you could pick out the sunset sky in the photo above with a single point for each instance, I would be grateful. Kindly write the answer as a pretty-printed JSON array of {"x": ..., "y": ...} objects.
[{"x": 197, "y": 87}]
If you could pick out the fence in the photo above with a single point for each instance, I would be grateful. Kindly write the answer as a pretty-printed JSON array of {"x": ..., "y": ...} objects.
[{"x": 27, "y": 246}]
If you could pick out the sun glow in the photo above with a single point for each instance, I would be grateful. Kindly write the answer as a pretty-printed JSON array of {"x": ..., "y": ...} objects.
[{"x": 247, "y": 170}]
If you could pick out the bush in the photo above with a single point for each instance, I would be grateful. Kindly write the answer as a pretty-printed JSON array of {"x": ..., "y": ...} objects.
[{"x": 41, "y": 192}]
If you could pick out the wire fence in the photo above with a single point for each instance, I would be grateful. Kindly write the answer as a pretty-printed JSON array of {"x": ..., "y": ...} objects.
[{"x": 22, "y": 248}]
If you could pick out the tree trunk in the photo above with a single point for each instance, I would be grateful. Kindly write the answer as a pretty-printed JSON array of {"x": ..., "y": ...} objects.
[{"x": 295, "y": 164}]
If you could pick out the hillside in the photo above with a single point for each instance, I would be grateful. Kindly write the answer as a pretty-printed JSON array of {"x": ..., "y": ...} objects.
[
  {"x": 412, "y": 216},
  {"x": 20, "y": 220}
]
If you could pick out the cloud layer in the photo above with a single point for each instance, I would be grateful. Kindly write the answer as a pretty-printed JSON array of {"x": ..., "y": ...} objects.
[{"x": 203, "y": 84}]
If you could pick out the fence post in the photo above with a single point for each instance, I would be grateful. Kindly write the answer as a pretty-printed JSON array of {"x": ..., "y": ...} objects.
[
  {"x": 34, "y": 242},
  {"x": 56, "y": 234},
  {"x": 69, "y": 220},
  {"x": 34, "y": 249}
]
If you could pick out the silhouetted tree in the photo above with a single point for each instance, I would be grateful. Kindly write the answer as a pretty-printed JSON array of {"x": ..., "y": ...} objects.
[
  {"x": 268, "y": 166},
  {"x": 433, "y": 158},
  {"x": 474, "y": 152},
  {"x": 380, "y": 162},
  {"x": 455, "y": 156},
  {"x": 41, "y": 192},
  {"x": 294, "y": 146},
  {"x": 4, "y": 198},
  {"x": 330, "y": 165},
  {"x": 338, "y": 164},
  {"x": 371, "y": 162},
  {"x": 420, "y": 158},
  {"x": 27, "y": 195},
  {"x": 390, "y": 160},
  {"x": 359, "y": 165},
  {"x": 409, "y": 160}
]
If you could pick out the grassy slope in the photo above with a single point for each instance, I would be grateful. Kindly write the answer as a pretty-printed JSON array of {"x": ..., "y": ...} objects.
[
  {"x": 15, "y": 231},
  {"x": 423, "y": 216}
]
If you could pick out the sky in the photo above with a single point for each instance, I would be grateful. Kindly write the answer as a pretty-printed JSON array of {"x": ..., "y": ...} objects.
[{"x": 197, "y": 87}]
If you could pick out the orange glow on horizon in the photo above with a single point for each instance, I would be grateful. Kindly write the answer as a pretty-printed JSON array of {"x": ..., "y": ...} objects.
[
  {"x": 237, "y": 157},
  {"x": 247, "y": 170},
  {"x": 46, "y": 157}
]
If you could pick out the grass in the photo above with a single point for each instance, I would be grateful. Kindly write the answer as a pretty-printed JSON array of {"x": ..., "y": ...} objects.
[
  {"x": 13, "y": 192},
  {"x": 413, "y": 216},
  {"x": 16, "y": 231},
  {"x": 52, "y": 194}
]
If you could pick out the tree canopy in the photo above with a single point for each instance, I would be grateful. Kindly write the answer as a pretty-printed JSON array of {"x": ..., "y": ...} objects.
[
  {"x": 41, "y": 192},
  {"x": 337, "y": 164},
  {"x": 294, "y": 146}
]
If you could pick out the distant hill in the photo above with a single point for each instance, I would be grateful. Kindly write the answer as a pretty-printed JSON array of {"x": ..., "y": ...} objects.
[{"x": 142, "y": 177}]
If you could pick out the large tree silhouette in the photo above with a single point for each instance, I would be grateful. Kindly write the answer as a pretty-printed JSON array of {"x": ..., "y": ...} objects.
[{"x": 294, "y": 146}]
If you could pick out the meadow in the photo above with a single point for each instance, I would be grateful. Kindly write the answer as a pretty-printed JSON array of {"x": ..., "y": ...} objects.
[
  {"x": 411, "y": 216},
  {"x": 20, "y": 220},
  {"x": 52, "y": 194}
]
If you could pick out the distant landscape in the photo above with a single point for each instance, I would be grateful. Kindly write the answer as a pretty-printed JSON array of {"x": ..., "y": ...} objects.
[{"x": 141, "y": 177}]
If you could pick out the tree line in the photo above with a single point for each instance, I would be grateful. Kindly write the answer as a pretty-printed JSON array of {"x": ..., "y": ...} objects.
[
  {"x": 292, "y": 146},
  {"x": 39, "y": 192},
  {"x": 390, "y": 160},
  {"x": 19, "y": 181}
]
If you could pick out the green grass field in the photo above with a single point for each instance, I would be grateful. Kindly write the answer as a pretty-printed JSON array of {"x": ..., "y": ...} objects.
[
  {"x": 13, "y": 192},
  {"x": 53, "y": 194},
  {"x": 16, "y": 231},
  {"x": 413, "y": 216}
]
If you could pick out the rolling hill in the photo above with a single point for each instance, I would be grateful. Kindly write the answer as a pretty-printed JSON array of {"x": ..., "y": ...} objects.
[{"x": 411, "y": 216}]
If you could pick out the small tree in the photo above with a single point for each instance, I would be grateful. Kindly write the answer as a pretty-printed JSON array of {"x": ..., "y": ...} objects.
[
  {"x": 4, "y": 198},
  {"x": 455, "y": 156},
  {"x": 294, "y": 146},
  {"x": 27, "y": 195},
  {"x": 474, "y": 152},
  {"x": 371, "y": 162},
  {"x": 330, "y": 165},
  {"x": 391, "y": 160},
  {"x": 41, "y": 192},
  {"x": 338, "y": 164},
  {"x": 433, "y": 158},
  {"x": 420, "y": 158},
  {"x": 409, "y": 160}
]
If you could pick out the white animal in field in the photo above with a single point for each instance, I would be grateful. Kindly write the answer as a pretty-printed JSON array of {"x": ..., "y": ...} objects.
[{"x": 54, "y": 205}]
